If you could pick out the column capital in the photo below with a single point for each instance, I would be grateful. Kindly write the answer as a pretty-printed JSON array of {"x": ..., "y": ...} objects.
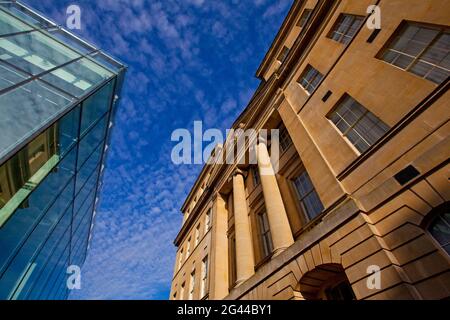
[{"x": 238, "y": 171}]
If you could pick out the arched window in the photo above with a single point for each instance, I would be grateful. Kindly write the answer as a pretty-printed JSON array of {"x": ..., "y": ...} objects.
[
  {"x": 326, "y": 282},
  {"x": 439, "y": 226}
]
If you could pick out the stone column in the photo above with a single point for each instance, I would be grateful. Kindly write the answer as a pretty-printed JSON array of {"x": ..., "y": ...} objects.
[
  {"x": 276, "y": 213},
  {"x": 218, "y": 277},
  {"x": 245, "y": 262}
]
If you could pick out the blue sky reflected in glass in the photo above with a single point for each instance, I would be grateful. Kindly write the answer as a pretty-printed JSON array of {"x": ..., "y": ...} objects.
[{"x": 188, "y": 60}]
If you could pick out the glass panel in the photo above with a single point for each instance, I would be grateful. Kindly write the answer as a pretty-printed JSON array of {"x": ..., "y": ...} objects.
[
  {"x": 106, "y": 62},
  {"x": 313, "y": 205},
  {"x": 26, "y": 217},
  {"x": 55, "y": 279},
  {"x": 22, "y": 173},
  {"x": 403, "y": 61},
  {"x": 43, "y": 257},
  {"x": 27, "y": 109},
  {"x": 303, "y": 184},
  {"x": 9, "y": 24},
  {"x": 86, "y": 190},
  {"x": 60, "y": 253},
  {"x": 10, "y": 76},
  {"x": 73, "y": 42},
  {"x": 438, "y": 51},
  {"x": 80, "y": 236},
  {"x": 22, "y": 262},
  {"x": 361, "y": 127},
  {"x": 96, "y": 106},
  {"x": 79, "y": 77},
  {"x": 79, "y": 216},
  {"x": 304, "y": 18},
  {"x": 91, "y": 141},
  {"x": 440, "y": 231},
  {"x": 67, "y": 128},
  {"x": 24, "y": 14},
  {"x": 35, "y": 52},
  {"x": 88, "y": 167},
  {"x": 438, "y": 75}
]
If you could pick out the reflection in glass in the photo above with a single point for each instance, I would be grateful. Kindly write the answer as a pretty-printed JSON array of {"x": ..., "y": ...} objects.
[
  {"x": 78, "y": 77},
  {"x": 34, "y": 52},
  {"x": 96, "y": 106},
  {"x": 9, "y": 76},
  {"x": 20, "y": 264},
  {"x": 73, "y": 42},
  {"x": 30, "y": 209},
  {"x": 9, "y": 24},
  {"x": 25, "y": 110},
  {"x": 23, "y": 172},
  {"x": 107, "y": 62},
  {"x": 19, "y": 11},
  {"x": 90, "y": 142}
]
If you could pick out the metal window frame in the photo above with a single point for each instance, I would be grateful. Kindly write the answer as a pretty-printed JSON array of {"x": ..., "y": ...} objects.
[
  {"x": 339, "y": 21},
  {"x": 415, "y": 59},
  {"x": 316, "y": 74}
]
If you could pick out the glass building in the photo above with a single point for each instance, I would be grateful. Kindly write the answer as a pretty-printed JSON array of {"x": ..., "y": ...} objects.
[{"x": 58, "y": 97}]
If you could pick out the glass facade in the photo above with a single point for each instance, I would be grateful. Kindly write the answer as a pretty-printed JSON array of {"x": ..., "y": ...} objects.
[{"x": 58, "y": 95}]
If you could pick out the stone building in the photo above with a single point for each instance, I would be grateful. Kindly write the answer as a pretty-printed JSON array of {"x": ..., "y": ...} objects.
[{"x": 363, "y": 179}]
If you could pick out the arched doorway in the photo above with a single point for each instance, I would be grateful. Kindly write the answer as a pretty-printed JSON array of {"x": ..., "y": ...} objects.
[{"x": 326, "y": 282}]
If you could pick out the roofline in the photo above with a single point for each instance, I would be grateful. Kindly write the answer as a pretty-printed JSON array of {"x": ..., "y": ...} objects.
[
  {"x": 281, "y": 35},
  {"x": 207, "y": 166},
  {"x": 56, "y": 25}
]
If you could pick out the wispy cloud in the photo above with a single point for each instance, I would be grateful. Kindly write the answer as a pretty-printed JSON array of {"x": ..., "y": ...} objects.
[{"x": 188, "y": 60}]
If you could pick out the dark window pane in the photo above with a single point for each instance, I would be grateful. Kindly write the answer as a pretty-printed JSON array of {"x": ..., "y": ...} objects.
[
  {"x": 304, "y": 18},
  {"x": 421, "y": 50},
  {"x": 361, "y": 127},
  {"x": 440, "y": 230}
]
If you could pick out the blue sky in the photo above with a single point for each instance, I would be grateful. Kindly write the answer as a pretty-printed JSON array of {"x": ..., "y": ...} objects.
[{"x": 188, "y": 60}]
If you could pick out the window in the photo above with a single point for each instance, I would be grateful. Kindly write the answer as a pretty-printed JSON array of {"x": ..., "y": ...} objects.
[
  {"x": 182, "y": 290},
  {"x": 180, "y": 259},
  {"x": 256, "y": 177},
  {"x": 440, "y": 228},
  {"x": 361, "y": 127},
  {"x": 304, "y": 18},
  {"x": 188, "y": 248},
  {"x": 341, "y": 292},
  {"x": 207, "y": 220},
  {"x": 345, "y": 28},
  {"x": 197, "y": 235},
  {"x": 203, "y": 288},
  {"x": 232, "y": 259},
  {"x": 310, "y": 79},
  {"x": 421, "y": 50},
  {"x": 174, "y": 296},
  {"x": 264, "y": 233},
  {"x": 283, "y": 54},
  {"x": 309, "y": 200},
  {"x": 285, "y": 139},
  {"x": 192, "y": 285}
]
